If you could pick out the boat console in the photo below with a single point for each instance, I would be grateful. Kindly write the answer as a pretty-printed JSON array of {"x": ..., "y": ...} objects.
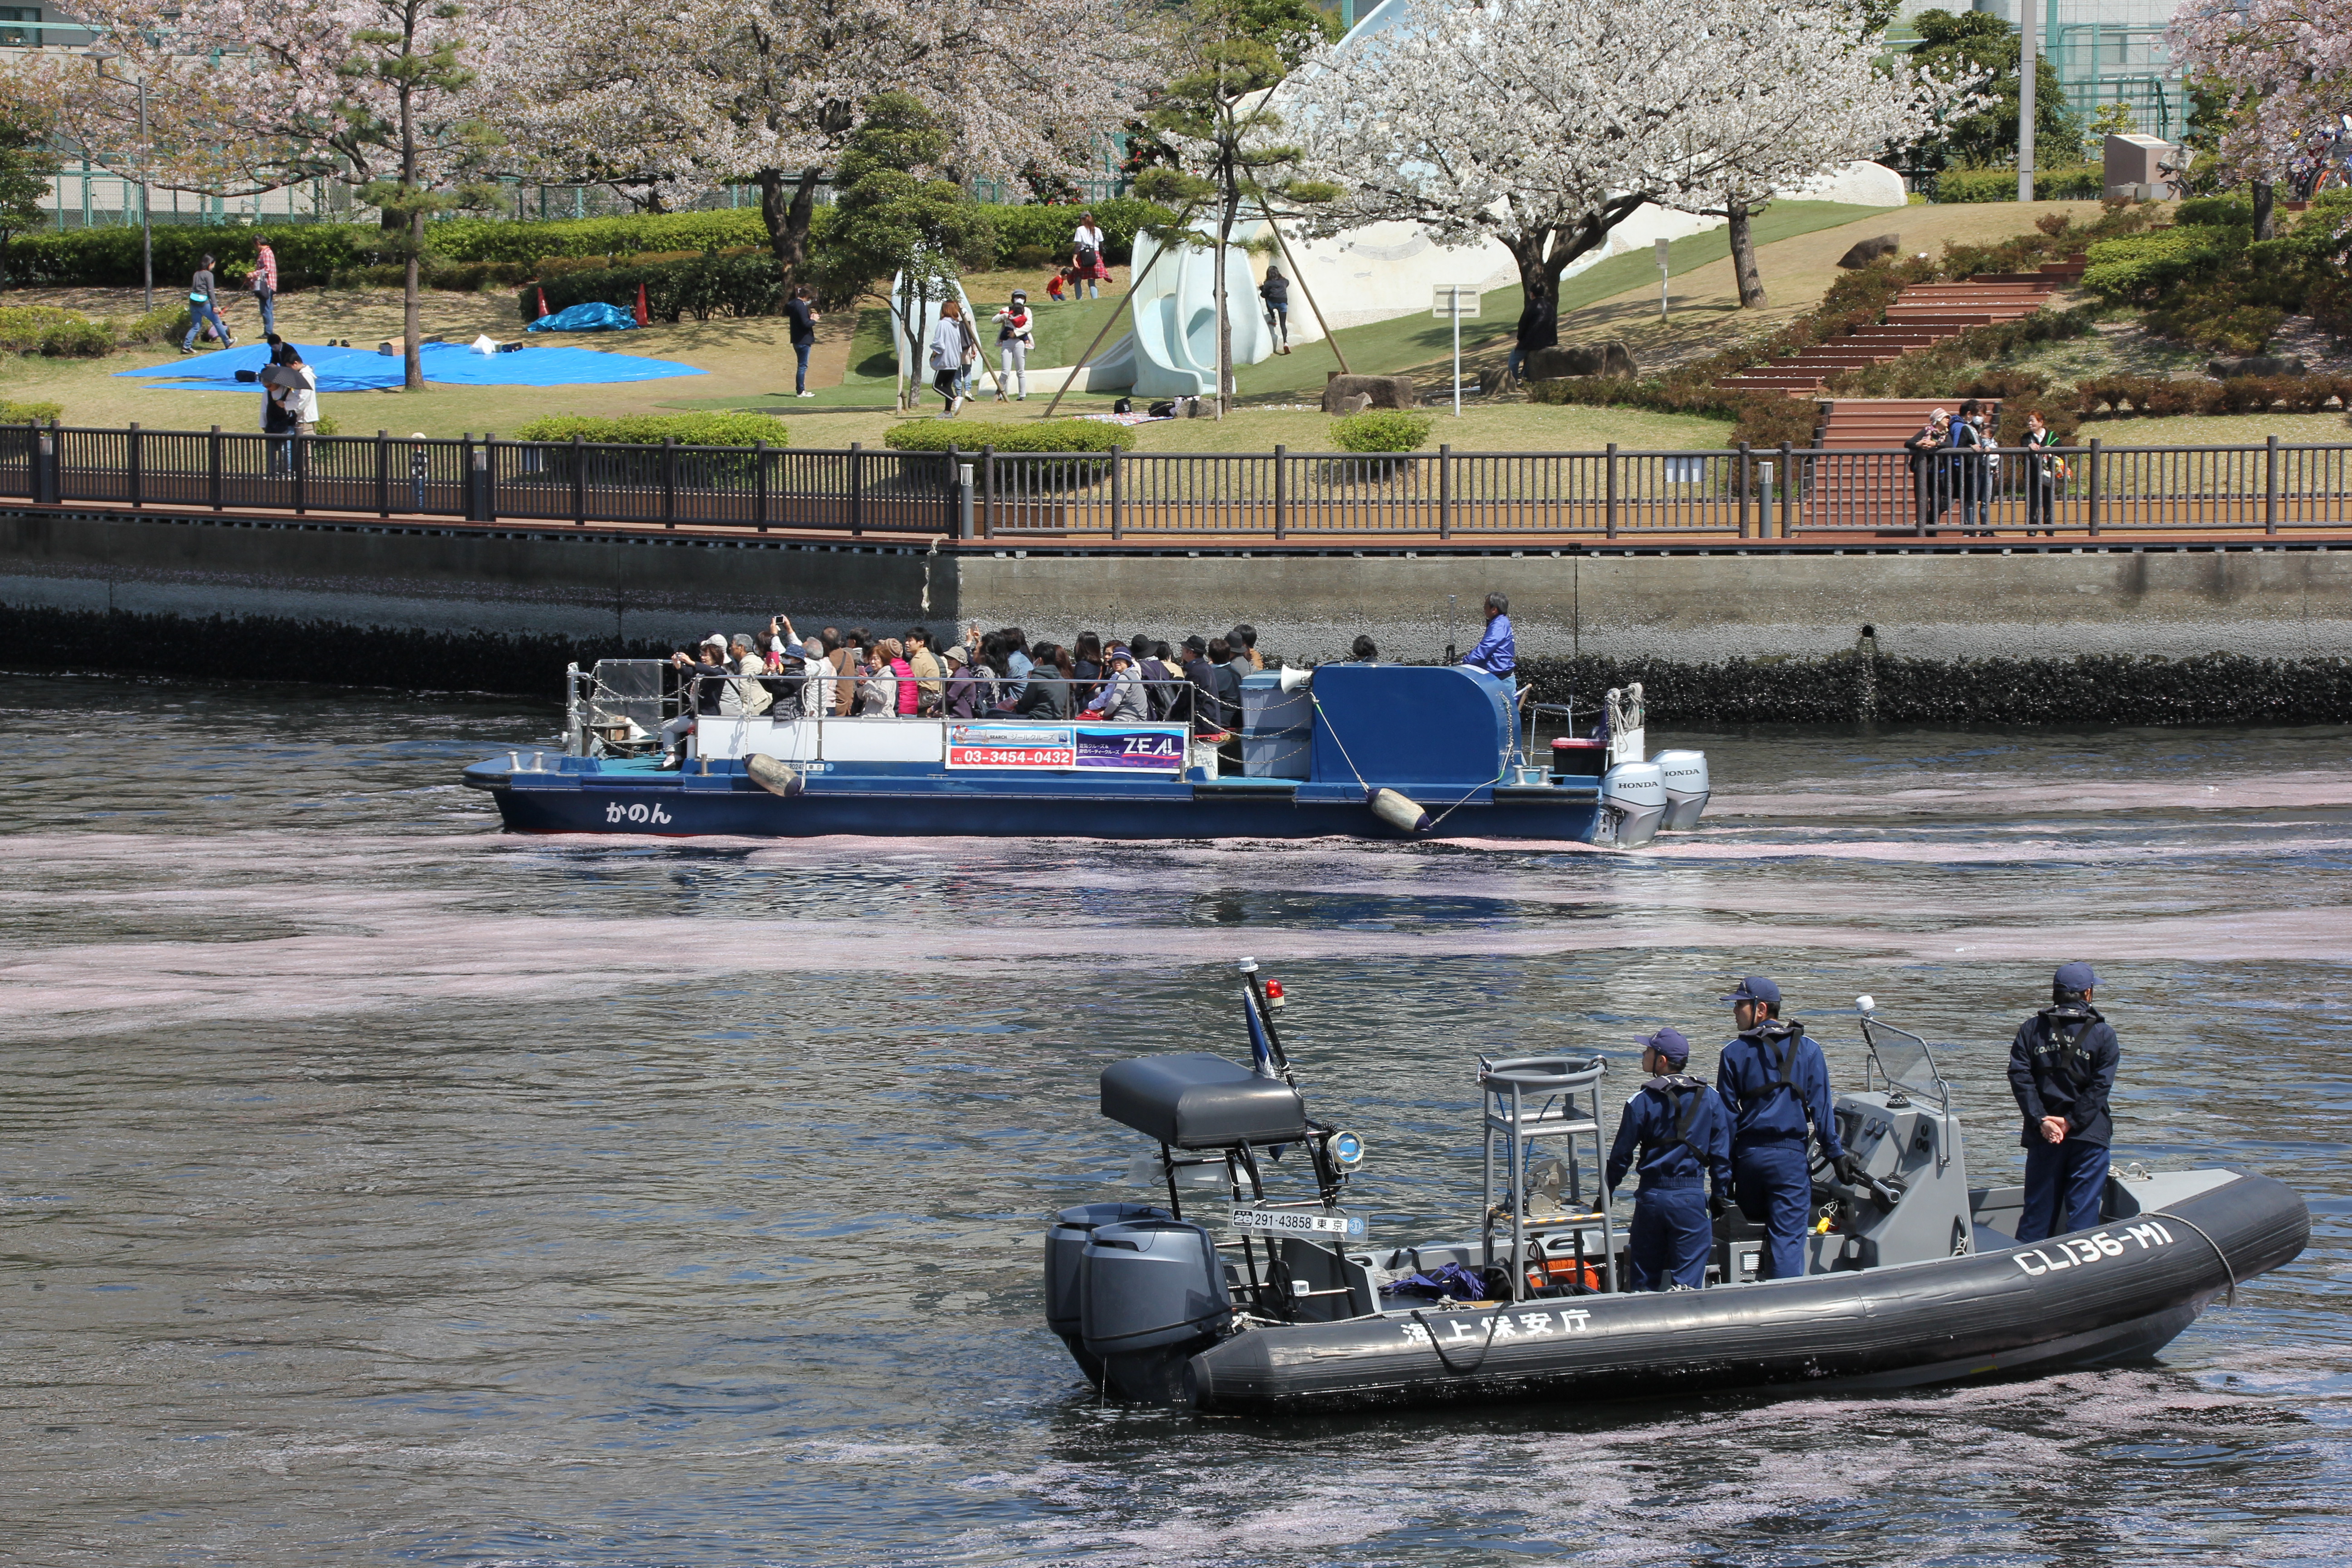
[{"x": 1288, "y": 1306}]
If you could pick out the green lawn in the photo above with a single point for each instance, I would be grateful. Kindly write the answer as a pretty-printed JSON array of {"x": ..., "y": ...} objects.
[{"x": 1392, "y": 345}]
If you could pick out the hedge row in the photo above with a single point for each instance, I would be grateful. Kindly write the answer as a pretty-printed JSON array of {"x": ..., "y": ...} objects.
[
  {"x": 310, "y": 254},
  {"x": 1037, "y": 435},
  {"x": 723, "y": 284},
  {"x": 2081, "y": 183},
  {"x": 2089, "y": 690},
  {"x": 2116, "y": 395},
  {"x": 651, "y": 429}
]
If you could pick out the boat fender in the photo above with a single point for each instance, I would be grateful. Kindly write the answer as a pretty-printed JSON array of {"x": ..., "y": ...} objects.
[
  {"x": 1399, "y": 812},
  {"x": 775, "y": 777}
]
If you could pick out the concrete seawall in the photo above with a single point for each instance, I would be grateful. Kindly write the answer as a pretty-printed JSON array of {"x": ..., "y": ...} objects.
[{"x": 471, "y": 606}]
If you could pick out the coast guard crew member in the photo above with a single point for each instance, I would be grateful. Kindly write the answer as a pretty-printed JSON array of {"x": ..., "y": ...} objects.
[
  {"x": 1683, "y": 1132},
  {"x": 2062, "y": 1067},
  {"x": 1776, "y": 1083}
]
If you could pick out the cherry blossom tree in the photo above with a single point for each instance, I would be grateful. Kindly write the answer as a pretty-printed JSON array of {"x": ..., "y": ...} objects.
[
  {"x": 701, "y": 93},
  {"x": 2283, "y": 71},
  {"x": 1545, "y": 123},
  {"x": 248, "y": 95},
  {"x": 1813, "y": 94}
]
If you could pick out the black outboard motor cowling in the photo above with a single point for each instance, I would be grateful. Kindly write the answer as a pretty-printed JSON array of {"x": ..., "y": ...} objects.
[
  {"x": 1065, "y": 1246},
  {"x": 1151, "y": 1294}
]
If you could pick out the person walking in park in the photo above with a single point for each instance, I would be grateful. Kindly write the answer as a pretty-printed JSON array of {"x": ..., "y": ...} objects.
[
  {"x": 1015, "y": 336},
  {"x": 1276, "y": 292},
  {"x": 265, "y": 286},
  {"x": 946, "y": 357},
  {"x": 1086, "y": 256},
  {"x": 203, "y": 308},
  {"x": 801, "y": 309}
]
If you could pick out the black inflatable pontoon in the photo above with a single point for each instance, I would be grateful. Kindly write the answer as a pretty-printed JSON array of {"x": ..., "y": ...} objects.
[{"x": 1917, "y": 1278}]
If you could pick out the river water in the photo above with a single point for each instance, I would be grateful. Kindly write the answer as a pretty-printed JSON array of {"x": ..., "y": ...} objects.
[{"x": 380, "y": 1189}]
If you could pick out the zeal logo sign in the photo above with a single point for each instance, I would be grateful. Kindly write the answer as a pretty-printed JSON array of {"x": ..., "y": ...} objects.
[{"x": 2079, "y": 1250}]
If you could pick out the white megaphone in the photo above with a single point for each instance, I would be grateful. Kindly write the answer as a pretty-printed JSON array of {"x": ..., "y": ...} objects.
[{"x": 1296, "y": 679}]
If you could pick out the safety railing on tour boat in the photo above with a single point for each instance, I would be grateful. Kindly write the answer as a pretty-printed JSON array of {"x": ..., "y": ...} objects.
[{"x": 1228, "y": 498}]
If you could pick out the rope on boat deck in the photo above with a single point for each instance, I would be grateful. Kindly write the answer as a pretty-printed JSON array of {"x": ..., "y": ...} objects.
[
  {"x": 1446, "y": 1361},
  {"x": 2230, "y": 1273}
]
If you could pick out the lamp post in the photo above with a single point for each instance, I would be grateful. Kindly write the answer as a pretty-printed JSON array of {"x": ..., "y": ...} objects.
[{"x": 100, "y": 54}]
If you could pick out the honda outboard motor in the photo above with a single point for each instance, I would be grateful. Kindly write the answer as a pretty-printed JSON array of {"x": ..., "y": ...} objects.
[
  {"x": 1687, "y": 789},
  {"x": 1635, "y": 793},
  {"x": 1151, "y": 1294},
  {"x": 1065, "y": 1247}
]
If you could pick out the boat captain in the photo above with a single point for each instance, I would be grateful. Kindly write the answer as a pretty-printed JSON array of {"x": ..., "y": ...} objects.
[{"x": 1776, "y": 1083}]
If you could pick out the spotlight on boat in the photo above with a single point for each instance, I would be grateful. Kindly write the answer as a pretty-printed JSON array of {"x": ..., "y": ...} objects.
[
  {"x": 1347, "y": 1149},
  {"x": 1866, "y": 1004}
]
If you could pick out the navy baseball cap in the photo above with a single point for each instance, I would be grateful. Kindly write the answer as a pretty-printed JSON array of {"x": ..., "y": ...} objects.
[
  {"x": 1667, "y": 1043},
  {"x": 1754, "y": 988},
  {"x": 2074, "y": 977}
]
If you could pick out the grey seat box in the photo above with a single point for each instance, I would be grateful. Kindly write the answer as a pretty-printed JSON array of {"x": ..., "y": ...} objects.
[{"x": 1194, "y": 1100}]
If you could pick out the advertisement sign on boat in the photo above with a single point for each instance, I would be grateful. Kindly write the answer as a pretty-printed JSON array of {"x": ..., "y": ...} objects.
[{"x": 1089, "y": 748}]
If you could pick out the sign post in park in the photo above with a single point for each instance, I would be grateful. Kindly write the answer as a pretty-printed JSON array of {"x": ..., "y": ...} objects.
[
  {"x": 1661, "y": 247},
  {"x": 1457, "y": 300}
]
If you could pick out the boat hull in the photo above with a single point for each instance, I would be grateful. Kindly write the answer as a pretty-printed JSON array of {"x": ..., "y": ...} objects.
[
  {"x": 2118, "y": 1293},
  {"x": 731, "y": 805}
]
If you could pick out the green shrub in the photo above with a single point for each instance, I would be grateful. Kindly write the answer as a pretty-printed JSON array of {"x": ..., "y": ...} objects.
[
  {"x": 1050, "y": 436},
  {"x": 31, "y": 413},
  {"x": 716, "y": 429},
  {"x": 2079, "y": 183},
  {"x": 308, "y": 254},
  {"x": 23, "y": 327},
  {"x": 167, "y": 322},
  {"x": 2142, "y": 269},
  {"x": 1382, "y": 430},
  {"x": 497, "y": 240},
  {"x": 77, "y": 339}
]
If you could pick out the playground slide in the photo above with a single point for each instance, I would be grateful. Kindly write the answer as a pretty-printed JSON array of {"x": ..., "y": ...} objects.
[{"x": 1175, "y": 333}]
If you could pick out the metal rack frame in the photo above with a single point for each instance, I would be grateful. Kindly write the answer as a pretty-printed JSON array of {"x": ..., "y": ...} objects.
[{"x": 1569, "y": 1108}]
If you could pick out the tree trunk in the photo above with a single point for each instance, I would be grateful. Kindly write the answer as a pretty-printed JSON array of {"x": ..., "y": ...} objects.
[
  {"x": 2265, "y": 227},
  {"x": 1743, "y": 258},
  {"x": 788, "y": 216},
  {"x": 413, "y": 366},
  {"x": 1225, "y": 316}
]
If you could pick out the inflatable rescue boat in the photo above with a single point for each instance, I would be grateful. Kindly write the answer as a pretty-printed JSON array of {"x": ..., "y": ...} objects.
[{"x": 1913, "y": 1276}]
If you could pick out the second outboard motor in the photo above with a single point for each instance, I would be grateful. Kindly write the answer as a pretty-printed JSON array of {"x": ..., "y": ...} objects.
[
  {"x": 1637, "y": 793},
  {"x": 1687, "y": 789},
  {"x": 1152, "y": 1294},
  {"x": 1065, "y": 1247}
]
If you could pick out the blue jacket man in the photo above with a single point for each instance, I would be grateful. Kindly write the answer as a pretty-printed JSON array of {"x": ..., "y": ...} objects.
[
  {"x": 1684, "y": 1134},
  {"x": 1494, "y": 653},
  {"x": 2062, "y": 1068},
  {"x": 1776, "y": 1083}
]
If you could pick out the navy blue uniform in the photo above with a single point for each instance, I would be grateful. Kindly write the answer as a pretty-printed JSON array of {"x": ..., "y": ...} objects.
[
  {"x": 1776, "y": 1083},
  {"x": 1684, "y": 1133},
  {"x": 2063, "y": 1063}
]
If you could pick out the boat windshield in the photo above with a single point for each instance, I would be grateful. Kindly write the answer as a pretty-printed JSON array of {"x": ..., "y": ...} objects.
[{"x": 1904, "y": 1060}]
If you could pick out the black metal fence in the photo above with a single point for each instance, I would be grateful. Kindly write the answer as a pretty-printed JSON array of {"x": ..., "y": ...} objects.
[{"x": 1737, "y": 493}]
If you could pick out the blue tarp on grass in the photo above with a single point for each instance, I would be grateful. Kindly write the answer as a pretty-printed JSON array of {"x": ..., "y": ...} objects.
[
  {"x": 454, "y": 364},
  {"x": 592, "y": 317}
]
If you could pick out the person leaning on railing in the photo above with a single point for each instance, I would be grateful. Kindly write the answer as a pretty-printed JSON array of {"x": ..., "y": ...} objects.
[{"x": 1927, "y": 475}]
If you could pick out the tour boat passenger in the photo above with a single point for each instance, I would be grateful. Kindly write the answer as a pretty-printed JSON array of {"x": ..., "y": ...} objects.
[
  {"x": 929, "y": 682},
  {"x": 965, "y": 693},
  {"x": 1122, "y": 698},
  {"x": 704, "y": 672}
]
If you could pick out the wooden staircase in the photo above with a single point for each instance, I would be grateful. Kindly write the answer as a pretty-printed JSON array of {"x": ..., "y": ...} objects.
[
  {"x": 1922, "y": 315},
  {"x": 1872, "y": 487}
]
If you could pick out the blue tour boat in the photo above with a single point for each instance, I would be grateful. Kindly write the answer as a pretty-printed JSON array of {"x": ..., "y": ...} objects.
[{"x": 1345, "y": 750}]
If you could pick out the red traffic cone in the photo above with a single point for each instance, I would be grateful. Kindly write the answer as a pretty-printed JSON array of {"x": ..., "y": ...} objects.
[
  {"x": 542, "y": 301},
  {"x": 644, "y": 319}
]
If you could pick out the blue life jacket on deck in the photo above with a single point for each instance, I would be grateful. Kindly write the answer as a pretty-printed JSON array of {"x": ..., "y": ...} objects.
[{"x": 1775, "y": 1081}]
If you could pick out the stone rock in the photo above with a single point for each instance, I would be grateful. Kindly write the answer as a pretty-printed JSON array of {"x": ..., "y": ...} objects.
[
  {"x": 2255, "y": 364},
  {"x": 1863, "y": 252},
  {"x": 1340, "y": 393},
  {"x": 1611, "y": 358}
]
